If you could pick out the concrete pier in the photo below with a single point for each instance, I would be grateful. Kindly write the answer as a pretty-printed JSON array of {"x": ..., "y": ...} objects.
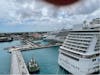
[
  {"x": 18, "y": 65},
  {"x": 32, "y": 46}
]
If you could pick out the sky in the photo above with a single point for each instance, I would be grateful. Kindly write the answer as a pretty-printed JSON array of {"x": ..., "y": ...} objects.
[{"x": 35, "y": 15}]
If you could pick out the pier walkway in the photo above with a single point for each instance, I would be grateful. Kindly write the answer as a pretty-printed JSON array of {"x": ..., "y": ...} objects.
[
  {"x": 28, "y": 47},
  {"x": 32, "y": 46},
  {"x": 18, "y": 65}
]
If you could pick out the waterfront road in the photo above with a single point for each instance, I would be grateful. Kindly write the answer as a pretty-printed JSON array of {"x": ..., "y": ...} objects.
[{"x": 18, "y": 65}]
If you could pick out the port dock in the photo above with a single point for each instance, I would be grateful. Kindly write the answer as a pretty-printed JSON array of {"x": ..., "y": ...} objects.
[
  {"x": 32, "y": 46},
  {"x": 18, "y": 65}
]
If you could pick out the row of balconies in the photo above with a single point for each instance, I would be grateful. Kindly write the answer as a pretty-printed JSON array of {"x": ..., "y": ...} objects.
[
  {"x": 85, "y": 33},
  {"x": 76, "y": 46},
  {"x": 74, "y": 49},
  {"x": 73, "y": 44},
  {"x": 81, "y": 38},
  {"x": 70, "y": 56},
  {"x": 76, "y": 55},
  {"x": 78, "y": 42},
  {"x": 78, "y": 36},
  {"x": 89, "y": 33}
]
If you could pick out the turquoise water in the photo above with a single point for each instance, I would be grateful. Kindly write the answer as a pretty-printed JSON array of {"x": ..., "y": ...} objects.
[
  {"x": 47, "y": 59},
  {"x": 5, "y": 57}
]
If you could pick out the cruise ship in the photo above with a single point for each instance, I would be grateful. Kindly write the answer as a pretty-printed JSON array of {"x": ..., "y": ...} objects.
[{"x": 80, "y": 52}]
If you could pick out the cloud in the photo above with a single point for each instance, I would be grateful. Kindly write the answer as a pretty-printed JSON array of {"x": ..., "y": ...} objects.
[
  {"x": 87, "y": 6},
  {"x": 95, "y": 14},
  {"x": 35, "y": 8},
  {"x": 35, "y": 13},
  {"x": 6, "y": 8}
]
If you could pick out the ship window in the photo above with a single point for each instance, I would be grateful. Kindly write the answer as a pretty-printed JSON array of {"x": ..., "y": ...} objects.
[
  {"x": 93, "y": 59},
  {"x": 92, "y": 28}
]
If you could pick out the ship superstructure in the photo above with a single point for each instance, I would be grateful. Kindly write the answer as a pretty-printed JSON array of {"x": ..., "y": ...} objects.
[{"x": 80, "y": 52}]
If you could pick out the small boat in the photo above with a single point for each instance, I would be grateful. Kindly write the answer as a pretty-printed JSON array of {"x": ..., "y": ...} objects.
[
  {"x": 33, "y": 67},
  {"x": 7, "y": 48},
  {"x": 5, "y": 39}
]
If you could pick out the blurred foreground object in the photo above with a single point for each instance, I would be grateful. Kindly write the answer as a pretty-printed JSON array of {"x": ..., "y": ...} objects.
[{"x": 61, "y": 2}]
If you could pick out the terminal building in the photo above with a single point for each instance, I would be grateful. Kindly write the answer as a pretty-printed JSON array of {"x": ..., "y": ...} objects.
[{"x": 80, "y": 52}]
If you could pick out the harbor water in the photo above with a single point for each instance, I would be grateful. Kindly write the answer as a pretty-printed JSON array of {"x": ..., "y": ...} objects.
[
  {"x": 5, "y": 57},
  {"x": 47, "y": 58}
]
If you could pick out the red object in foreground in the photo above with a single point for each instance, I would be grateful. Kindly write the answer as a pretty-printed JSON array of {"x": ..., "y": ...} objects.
[{"x": 61, "y": 2}]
